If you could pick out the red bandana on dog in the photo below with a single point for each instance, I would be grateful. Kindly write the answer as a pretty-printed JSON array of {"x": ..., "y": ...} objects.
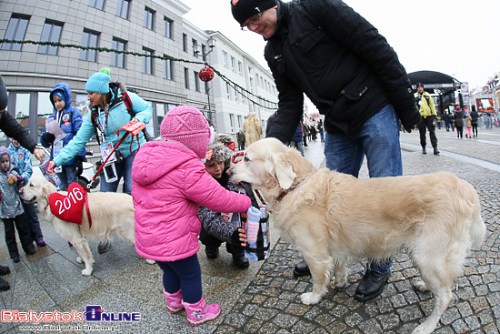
[{"x": 69, "y": 207}]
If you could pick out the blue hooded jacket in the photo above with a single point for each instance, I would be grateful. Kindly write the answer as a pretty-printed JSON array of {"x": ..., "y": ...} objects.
[{"x": 70, "y": 121}]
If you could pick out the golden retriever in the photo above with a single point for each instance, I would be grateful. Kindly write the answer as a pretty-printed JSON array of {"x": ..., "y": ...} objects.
[
  {"x": 332, "y": 217},
  {"x": 111, "y": 213}
]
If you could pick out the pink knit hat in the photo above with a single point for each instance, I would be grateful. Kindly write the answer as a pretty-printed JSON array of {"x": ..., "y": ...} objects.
[{"x": 188, "y": 126}]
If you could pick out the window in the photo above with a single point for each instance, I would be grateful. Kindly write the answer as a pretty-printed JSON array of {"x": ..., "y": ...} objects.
[
  {"x": 196, "y": 81},
  {"x": 240, "y": 68},
  {"x": 231, "y": 122},
  {"x": 233, "y": 64},
  {"x": 186, "y": 78},
  {"x": 98, "y": 4},
  {"x": 123, "y": 8},
  {"x": 195, "y": 48},
  {"x": 16, "y": 30},
  {"x": 184, "y": 43},
  {"x": 118, "y": 59},
  {"x": 224, "y": 58},
  {"x": 147, "y": 65},
  {"x": 89, "y": 39},
  {"x": 51, "y": 32},
  {"x": 160, "y": 114},
  {"x": 44, "y": 109},
  {"x": 149, "y": 18},
  {"x": 169, "y": 28},
  {"x": 169, "y": 69}
]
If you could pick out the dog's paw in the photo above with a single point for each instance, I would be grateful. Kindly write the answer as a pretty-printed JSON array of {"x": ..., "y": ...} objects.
[
  {"x": 310, "y": 298},
  {"x": 150, "y": 261},
  {"x": 421, "y": 286},
  {"x": 341, "y": 284},
  {"x": 79, "y": 259},
  {"x": 87, "y": 271}
]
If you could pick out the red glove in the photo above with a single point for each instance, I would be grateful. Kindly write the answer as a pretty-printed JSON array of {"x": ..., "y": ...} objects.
[{"x": 50, "y": 167}]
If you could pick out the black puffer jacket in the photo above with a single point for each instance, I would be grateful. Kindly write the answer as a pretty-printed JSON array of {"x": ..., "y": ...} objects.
[
  {"x": 326, "y": 50},
  {"x": 10, "y": 126}
]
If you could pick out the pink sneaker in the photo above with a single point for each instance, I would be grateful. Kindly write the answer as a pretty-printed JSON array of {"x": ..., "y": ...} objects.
[
  {"x": 174, "y": 301},
  {"x": 201, "y": 312}
]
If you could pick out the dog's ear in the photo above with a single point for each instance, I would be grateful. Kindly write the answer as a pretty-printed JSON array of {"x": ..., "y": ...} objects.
[
  {"x": 283, "y": 169},
  {"x": 45, "y": 189}
]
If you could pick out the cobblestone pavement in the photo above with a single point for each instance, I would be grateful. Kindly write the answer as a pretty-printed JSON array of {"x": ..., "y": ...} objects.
[
  {"x": 271, "y": 303},
  {"x": 265, "y": 297}
]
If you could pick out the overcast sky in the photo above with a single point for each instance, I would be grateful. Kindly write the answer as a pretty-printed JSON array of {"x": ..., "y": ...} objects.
[{"x": 459, "y": 38}]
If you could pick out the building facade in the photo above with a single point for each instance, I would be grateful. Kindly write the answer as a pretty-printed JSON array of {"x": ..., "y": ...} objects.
[{"x": 160, "y": 56}]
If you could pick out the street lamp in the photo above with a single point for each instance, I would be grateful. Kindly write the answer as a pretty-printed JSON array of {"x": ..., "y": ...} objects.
[{"x": 211, "y": 45}]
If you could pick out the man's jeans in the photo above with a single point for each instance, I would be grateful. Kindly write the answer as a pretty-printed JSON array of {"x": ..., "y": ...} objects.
[
  {"x": 67, "y": 176},
  {"x": 378, "y": 140}
]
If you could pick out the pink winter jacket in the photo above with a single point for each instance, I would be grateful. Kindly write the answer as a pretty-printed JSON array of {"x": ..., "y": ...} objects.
[{"x": 169, "y": 183}]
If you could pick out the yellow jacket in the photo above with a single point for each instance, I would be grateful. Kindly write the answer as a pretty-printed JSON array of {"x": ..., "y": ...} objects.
[{"x": 426, "y": 105}]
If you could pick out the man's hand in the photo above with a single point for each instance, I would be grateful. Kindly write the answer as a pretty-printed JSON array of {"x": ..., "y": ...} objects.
[{"x": 39, "y": 154}]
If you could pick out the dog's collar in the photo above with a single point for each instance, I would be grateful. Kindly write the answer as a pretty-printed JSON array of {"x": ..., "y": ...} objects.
[{"x": 284, "y": 193}]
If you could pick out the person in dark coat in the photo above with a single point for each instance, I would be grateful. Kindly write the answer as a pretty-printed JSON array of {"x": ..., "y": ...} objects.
[
  {"x": 11, "y": 127},
  {"x": 459, "y": 121},
  {"x": 327, "y": 51},
  {"x": 474, "y": 115}
]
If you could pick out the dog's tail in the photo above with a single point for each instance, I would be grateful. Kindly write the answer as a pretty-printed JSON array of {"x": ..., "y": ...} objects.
[{"x": 477, "y": 228}]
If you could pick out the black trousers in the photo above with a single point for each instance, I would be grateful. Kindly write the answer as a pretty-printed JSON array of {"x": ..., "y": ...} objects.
[
  {"x": 23, "y": 231},
  {"x": 424, "y": 125}
]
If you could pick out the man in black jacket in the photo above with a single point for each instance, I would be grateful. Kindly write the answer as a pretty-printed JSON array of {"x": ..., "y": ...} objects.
[
  {"x": 324, "y": 49},
  {"x": 13, "y": 129}
]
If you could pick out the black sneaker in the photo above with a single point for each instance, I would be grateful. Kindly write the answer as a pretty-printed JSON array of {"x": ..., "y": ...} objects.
[
  {"x": 301, "y": 269},
  {"x": 424, "y": 151},
  {"x": 436, "y": 152},
  {"x": 104, "y": 246},
  {"x": 4, "y": 270},
  {"x": 4, "y": 285},
  {"x": 371, "y": 285},
  {"x": 15, "y": 258}
]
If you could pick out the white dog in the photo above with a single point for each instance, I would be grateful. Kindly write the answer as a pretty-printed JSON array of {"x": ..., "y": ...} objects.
[
  {"x": 332, "y": 217},
  {"x": 111, "y": 213}
]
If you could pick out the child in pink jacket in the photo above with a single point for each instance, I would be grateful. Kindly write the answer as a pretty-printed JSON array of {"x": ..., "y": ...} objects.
[{"x": 169, "y": 183}]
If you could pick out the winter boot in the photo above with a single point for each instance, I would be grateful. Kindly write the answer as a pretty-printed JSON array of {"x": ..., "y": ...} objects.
[
  {"x": 239, "y": 258},
  {"x": 174, "y": 301},
  {"x": 201, "y": 312},
  {"x": 4, "y": 285}
]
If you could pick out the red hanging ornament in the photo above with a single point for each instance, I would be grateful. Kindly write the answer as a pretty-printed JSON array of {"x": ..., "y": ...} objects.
[{"x": 206, "y": 74}]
